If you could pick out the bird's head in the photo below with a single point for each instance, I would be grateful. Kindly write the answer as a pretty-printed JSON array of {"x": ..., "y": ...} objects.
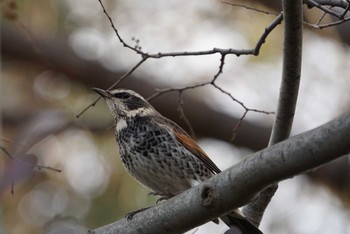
[{"x": 125, "y": 103}]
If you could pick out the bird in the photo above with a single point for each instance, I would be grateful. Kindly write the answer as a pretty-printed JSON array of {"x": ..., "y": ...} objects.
[{"x": 158, "y": 153}]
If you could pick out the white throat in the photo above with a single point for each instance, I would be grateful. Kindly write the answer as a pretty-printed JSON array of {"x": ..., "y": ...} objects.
[{"x": 121, "y": 124}]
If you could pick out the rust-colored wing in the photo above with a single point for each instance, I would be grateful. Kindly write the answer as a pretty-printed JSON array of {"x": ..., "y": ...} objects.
[
  {"x": 187, "y": 142},
  {"x": 191, "y": 146}
]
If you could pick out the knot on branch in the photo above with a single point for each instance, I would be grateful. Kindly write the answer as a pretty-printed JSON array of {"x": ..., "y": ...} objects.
[{"x": 208, "y": 196}]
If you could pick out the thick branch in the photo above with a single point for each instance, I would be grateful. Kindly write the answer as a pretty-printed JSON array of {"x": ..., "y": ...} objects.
[
  {"x": 292, "y": 53},
  {"x": 237, "y": 185}
]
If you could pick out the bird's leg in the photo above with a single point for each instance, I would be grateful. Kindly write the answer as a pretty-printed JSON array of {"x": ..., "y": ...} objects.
[
  {"x": 153, "y": 194},
  {"x": 161, "y": 199},
  {"x": 162, "y": 196},
  {"x": 131, "y": 214}
]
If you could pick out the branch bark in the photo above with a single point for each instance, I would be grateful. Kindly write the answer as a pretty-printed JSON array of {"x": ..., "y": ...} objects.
[
  {"x": 240, "y": 183},
  {"x": 292, "y": 55}
]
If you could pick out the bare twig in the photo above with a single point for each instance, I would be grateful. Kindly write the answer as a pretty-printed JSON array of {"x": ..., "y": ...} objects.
[
  {"x": 250, "y": 8},
  {"x": 238, "y": 125},
  {"x": 88, "y": 107},
  {"x": 163, "y": 91},
  {"x": 345, "y": 11},
  {"x": 183, "y": 115},
  {"x": 312, "y": 3},
  {"x": 19, "y": 168},
  {"x": 221, "y": 68},
  {"x": 320, "y": 4},
  {"x": 6, "y": 152},
  {"x": 321, "y": 18},
  {"x": 333, "y": 3},
  {"x": 126, "y": 75},
  {"x": 121, "y": 79},
  {"x": 266, "y": 32},
  {"x": 39, "y": 167},
  {"x": 322, "y": 26},
  {"x": 121, "y": 40}
]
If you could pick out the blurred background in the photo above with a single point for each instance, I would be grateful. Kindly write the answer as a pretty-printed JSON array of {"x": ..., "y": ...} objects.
[{"x": 54, "y": 51}]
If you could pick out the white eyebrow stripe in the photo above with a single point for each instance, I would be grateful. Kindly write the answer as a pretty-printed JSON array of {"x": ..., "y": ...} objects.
[
  {"x": 132, "y": 93},
  {"x": 141, "y": 112}
]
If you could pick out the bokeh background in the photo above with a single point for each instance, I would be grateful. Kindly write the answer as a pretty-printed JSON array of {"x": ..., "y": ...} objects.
[{"x": 54, "y": 51}]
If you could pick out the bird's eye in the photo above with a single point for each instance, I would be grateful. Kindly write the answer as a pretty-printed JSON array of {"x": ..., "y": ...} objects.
[{"x": 123, "y": 95}]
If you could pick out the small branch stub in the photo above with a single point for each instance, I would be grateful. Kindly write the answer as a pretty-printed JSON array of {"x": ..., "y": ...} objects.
[{"x": 208, "y": 196}]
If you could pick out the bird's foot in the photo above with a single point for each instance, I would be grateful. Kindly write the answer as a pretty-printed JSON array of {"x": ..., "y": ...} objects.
[
  {"x": 162, "y": 196},
  {"x": 131, "y": 214}
]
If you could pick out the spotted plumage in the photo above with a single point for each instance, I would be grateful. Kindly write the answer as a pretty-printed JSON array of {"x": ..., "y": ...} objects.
[
  {"x": 157, "y": 152},
  {"x": 156, "y": 157}
]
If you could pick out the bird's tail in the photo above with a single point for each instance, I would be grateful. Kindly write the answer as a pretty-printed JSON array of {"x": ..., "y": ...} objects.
[{"x": 237, "y": 222}]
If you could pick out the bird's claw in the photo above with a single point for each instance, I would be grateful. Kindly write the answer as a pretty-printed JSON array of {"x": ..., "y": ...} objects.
[{"x": 131, "y": 214}]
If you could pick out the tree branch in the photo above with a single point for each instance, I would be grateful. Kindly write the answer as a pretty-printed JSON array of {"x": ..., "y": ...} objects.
[
  {"x": 292, "y": 54},
  {"x": 240, "y": 183},
  {"x": 332, "y": 3}
]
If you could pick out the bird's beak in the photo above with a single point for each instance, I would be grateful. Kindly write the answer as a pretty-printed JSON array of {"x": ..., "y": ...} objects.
[{"x": 101, "y": 92}]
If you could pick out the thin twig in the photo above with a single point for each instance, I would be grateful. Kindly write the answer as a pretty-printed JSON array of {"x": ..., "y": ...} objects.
[
  {"x": 39, "y": 167},
  {"x": 238, "y": 125},
  {"x": 345, "y": 11},
  {"x": 168, "y": 90},
  {"x": 250, "y": 8},
  {"x": 322, "y": 26},
  {"x": 183, "y": 115},
  {"x": 117, "y": 33},
  {"x": 333, "y": 3},
  {"x": 221, "y": 68},
  {"x": 266, "y": 32},
  {"x": 321, "y": 18},
  {"x": 6, "y": 152},
  {"x": 312, "y": 3},
  {"x": 29, "y": 163},
  {"x": 121, "y": 79},
  {"x": 88, "y": 107}
]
